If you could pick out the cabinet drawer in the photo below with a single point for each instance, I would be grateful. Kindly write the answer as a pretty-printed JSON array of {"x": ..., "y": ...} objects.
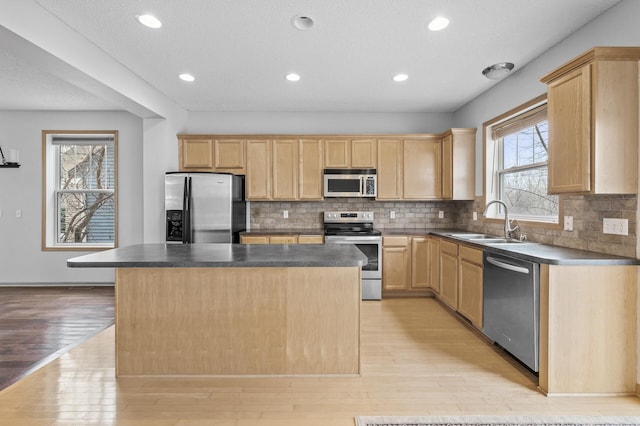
[
  {"x": 254, "y": 239},
  {"x": 283, "y": 239},
  {"x": 395, "y": 241},
  {"x": 310, "y": 239},
  {"x": 471, "y": 255},
  {"x": 449, "y": 248}
]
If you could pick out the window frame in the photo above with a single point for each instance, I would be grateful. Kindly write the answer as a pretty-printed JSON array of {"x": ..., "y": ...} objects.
[
  {"x": 50, "y": 190},
  {"x": 491, "y": 157}
]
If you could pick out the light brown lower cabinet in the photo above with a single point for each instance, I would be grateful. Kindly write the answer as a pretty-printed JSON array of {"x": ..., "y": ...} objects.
[
  {"x": 310, "y": 239},
  {"x": 407, "y": 265},
  {"x": 449, "y": 273},
  {"x": 396, "y": 263},
  {"x": 470, "y": 284}
]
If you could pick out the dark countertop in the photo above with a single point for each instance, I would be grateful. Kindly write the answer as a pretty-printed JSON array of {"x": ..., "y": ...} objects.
[
  {"x": 258, "y": 232},
  {"x": 222, "y": 256},
  {"x": 544, "y": 253},
  {"x": 534, "y": 252}
]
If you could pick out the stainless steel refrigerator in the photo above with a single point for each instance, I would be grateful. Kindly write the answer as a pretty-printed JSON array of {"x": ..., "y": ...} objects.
[{"x": 204, "y": 207}]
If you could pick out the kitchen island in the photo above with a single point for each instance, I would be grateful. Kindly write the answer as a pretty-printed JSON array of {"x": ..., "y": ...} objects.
[{"x": 228, "y": 309}]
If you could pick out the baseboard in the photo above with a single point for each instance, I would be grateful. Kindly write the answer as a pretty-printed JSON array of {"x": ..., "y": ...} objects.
[{"x": 62, "y": 284}]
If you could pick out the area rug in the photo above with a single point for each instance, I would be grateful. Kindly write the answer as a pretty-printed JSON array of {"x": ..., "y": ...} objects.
[{"x": 499, "y": 421}]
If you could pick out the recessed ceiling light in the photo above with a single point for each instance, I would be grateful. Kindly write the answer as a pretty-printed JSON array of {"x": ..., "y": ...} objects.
[
  {"x": 292, "y": 77},
  {"x": 497, "y": 71},
  {"x": 400, "y": 77},
  {"x": 302, "y": 23},
  {"x": 438, "y": 23},
  {"x": 187, "y": 77},
  {"x": 149, "y": 21}
]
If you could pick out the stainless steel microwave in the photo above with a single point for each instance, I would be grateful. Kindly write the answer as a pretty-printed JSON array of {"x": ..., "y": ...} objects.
[{"x": 350, "y": 183}]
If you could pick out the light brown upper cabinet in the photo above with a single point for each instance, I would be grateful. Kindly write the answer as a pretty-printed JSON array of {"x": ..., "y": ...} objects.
[
  {"x": 285, "y": 169},
  {"x": 389, "y": 169},
  {"x": 592, "y": 112},
  {"x": 195, "y": 153},
  {"x": 205, "y": 153},
  {"x": 350, "y": 153},
  {"x": 229, "y": 155},
  {"x": 311, "y": 165},
  {"x": 459, "y": 164},
  {"x": 421, "y": 169},
  {"x": 258, "y": 179}
]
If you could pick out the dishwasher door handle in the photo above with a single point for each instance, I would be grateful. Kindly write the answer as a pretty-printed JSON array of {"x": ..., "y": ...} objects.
[{"x": 499, "y": 264}]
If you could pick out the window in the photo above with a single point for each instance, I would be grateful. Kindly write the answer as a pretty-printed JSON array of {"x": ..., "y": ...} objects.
[
  {"x": 79, "y": 193},
  {"x": 516, "y": 160}
]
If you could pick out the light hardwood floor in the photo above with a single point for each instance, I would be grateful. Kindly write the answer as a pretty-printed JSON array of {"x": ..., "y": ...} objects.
[{"x": 417, "y": 359}]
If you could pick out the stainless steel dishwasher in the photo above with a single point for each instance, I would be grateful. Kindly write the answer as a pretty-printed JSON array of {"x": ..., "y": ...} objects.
[{"x": 511, "y": 306}]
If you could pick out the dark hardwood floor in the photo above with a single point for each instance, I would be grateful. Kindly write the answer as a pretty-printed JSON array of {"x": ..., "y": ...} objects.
[{"x": 38, "y": 324}]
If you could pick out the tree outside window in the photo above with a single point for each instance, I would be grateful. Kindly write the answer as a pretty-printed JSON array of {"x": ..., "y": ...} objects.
[
  {"x": 516, "y": 157},
  {"x": 80, "y": 190}
]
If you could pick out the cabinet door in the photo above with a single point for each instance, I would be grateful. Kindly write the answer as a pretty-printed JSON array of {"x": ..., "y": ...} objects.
[
  {"x": 389, "y": 169},
  {"x": 229, "y": 155},
  {"x": 310, "y": 239},
  {"x": 196, "y": 154},
  {"x": 258, "y": 179},
  {"x": 364, "y": 153},
  {"x": 337, "y": 153},
  {"x": 434, "y": 263},
  {"x": 311, "y": 169},
  {"x": 396, "y": 258},
  {"x": 449, "y": 273},
  {"x": 421, "y": 169},
  {"x": 470, "y": 285},
  {"x": 569, "y": 118},
  {"x": 420, "y": 263},
  {"x": 285, "y": 170},
  {"x": 447, "y": 167}
]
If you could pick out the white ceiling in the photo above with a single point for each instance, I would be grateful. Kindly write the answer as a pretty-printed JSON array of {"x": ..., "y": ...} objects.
[{"x": 240, "y": 50}]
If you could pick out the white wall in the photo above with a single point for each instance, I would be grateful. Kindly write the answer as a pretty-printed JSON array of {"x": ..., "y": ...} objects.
[
  {"x": 21, "y": 258},
  {"x": 317, "y": 122}
]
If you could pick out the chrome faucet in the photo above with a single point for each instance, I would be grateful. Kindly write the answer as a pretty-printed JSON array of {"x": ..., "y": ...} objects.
[{"x": 507, "y": 223}]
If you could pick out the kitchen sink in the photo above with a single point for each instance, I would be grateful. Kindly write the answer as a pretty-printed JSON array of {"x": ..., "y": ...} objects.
[{"x": 468, "y": 236}]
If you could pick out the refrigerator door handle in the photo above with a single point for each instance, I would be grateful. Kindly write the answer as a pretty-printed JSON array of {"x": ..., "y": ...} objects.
[{"x": 186, "y": 211}]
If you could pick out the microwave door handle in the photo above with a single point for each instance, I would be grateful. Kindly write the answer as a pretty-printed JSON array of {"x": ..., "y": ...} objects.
[{"x": 362, "y": 185}]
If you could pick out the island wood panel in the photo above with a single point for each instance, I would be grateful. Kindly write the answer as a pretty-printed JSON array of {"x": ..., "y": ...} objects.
[
  {"x": 237, "y": 321},
  {"x": 591, "y": 345}
]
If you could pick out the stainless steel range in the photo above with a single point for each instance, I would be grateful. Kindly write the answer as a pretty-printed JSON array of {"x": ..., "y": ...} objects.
[{"x": 357, "y": 228}]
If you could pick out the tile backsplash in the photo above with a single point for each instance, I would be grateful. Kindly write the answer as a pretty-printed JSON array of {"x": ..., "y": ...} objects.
[
  {"x": 587, "y": 212},
  {"x": 308, "y": 215}
]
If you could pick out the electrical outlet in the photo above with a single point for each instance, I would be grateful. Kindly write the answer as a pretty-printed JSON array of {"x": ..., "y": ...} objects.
[
  {"x": 568, "y": 223},
  {"x": 615, "y": 226},
  {"x": 392, "y": 214},
  {"x": 475, "y": 215},
  {"x": 0, "y": 213},
  {"x": 440, "y": 214},
  {"x": 18, "y": 213},
  {"x": 285, "y": 214}
]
